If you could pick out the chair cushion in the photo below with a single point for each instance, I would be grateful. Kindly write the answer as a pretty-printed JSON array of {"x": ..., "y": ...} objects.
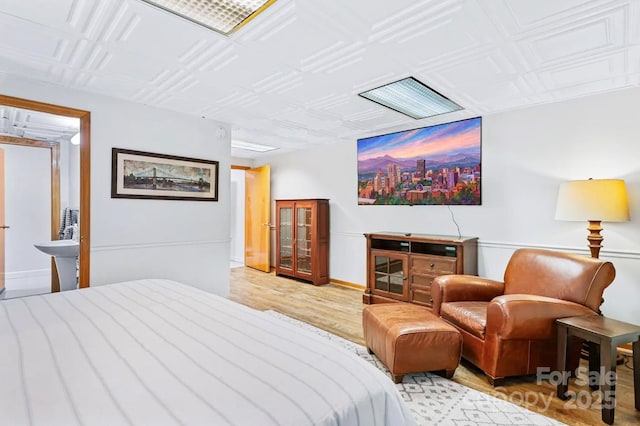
[{"x": 469, "y": 316}]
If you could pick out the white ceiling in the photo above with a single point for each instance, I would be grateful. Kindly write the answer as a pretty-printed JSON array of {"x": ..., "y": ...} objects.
[
  {"x": 29, "y": 124},
  {"x": 291, "y": 77}
]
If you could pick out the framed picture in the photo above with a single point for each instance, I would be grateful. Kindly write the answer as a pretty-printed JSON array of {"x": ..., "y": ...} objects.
[
  {"x": 137, "y": 174},
  {"x": 431, "y": 165}
]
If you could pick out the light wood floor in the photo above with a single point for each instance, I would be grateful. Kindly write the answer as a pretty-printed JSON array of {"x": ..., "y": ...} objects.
[{"x": 338, "y": 309}]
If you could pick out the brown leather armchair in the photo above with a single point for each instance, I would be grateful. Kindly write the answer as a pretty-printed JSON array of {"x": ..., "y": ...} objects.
[{"x": 508, "y": 328}]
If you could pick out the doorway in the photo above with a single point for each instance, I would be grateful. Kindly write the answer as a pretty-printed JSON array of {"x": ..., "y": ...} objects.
[
  {"x": 250, "y": 217},
  {"x": 31, "y": 183},
  {"x": 84, "y": 178}
]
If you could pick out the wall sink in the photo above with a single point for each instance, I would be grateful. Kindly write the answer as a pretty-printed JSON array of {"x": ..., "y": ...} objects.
[
  {"x": 62, "y": 248},
  {"x": 65, "y": 253}
]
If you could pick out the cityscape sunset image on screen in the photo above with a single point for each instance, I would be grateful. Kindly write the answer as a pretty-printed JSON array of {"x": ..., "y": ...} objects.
[{"x": 432, "y": 165}]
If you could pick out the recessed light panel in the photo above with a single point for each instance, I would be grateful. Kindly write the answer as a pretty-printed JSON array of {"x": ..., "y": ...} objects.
[
  {"x": 252, "y": 146},
  {"x": 412, "y": 98},
  {"x": 223, "y": 16}
]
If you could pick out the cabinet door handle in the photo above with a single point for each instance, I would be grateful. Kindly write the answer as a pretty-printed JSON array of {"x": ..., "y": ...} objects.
[
  {"x": 405, "y": 278},
  {"x": 432, "y": 265},
  {"x": 4, "y": 227}
]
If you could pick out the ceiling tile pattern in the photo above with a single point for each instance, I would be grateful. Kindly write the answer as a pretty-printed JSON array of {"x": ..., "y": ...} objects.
[
  {"x": 291, "y": 77},
  {"x": 18, "y": 122}
]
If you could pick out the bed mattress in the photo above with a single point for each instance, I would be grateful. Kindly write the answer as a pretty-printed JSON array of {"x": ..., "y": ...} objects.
[{"x": 157, "y": 352}]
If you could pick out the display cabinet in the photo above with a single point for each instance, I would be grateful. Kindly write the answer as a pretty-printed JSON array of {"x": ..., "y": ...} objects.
[
  {"x": 401, "y": 267},
  {"x": 302, "y": 239}
]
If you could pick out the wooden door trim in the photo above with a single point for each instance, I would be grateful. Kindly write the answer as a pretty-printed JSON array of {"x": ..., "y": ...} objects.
[
  {"x": 12, "y": 140},
  {"x": 85, "y": 175},
  {"x": 55, "y": 211}
]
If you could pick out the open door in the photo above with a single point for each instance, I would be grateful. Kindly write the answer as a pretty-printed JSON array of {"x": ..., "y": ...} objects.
[
  {"x": 257, "y": 213},
  {"x": 3, "y": 226}
]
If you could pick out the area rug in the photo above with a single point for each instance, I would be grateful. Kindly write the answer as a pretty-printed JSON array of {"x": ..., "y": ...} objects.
[{"x": 434, "y": 400}]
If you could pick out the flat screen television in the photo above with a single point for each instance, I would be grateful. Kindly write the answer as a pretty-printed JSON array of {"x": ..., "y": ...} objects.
[{"x": 432, "y": 165}]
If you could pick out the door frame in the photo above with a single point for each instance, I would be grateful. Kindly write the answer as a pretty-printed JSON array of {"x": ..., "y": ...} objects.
[
  {"x": 54, "y": 148},
  {"x": 85, "y": 180}
]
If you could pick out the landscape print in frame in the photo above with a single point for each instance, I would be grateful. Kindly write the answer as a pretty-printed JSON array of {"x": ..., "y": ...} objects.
[
  {"x": 137, "y": 174},
  {"x": 427, "y": 166}
]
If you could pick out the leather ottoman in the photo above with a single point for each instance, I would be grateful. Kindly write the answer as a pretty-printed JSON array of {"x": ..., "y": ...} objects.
[{"x": 409, "y": 339}]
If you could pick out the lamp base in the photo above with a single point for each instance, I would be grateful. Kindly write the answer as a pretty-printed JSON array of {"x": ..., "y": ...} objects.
[{"x": 594, "y": 237}]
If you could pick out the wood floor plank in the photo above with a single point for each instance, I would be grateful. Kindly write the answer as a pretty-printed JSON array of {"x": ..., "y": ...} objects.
[{"x": 338, "y": 309}]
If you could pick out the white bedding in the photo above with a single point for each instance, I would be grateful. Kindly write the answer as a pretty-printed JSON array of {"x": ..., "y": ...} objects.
[{"x": 156, "y": 352}]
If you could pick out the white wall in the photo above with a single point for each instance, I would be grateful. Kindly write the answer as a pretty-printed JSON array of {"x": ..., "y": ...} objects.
[
  {"x": 73, "y": 168},
  {"x": 27, "y": 207},
  {"x": 526, "y": 154},
  {"x": 64, "y": 175},
  {"x": 238, "y": 161},
  {"x": 69, "y": 175},
  {"x": 236, "y": 225},
  {"x": 183, "y": 240}
]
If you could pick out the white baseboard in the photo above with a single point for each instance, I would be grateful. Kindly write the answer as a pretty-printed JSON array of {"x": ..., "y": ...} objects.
[
  {"x": 34, "y": 273},
  {"x": 25, "y": 280}
]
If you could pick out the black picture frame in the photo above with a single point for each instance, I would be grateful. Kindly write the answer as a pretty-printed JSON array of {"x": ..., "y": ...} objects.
[{"x": 152, "y": 176}]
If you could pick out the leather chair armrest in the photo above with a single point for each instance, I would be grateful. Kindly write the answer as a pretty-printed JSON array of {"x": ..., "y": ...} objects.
[
  {"x": 458, "y": 288},
  {"x": 524, "y": 316}
]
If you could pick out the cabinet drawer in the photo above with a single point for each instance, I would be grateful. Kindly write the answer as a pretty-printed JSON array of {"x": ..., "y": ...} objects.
[
  {"x": 422, "y": 280},
  {"x": 432, "y": 264},
  {"x": 421, "y": 297}
]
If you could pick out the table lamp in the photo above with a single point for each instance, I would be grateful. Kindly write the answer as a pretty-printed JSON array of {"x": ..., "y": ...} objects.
[{"x": 595, "y": 201}]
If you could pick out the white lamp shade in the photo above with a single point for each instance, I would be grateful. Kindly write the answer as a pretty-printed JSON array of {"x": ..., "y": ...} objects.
[{"x": 593, "y": 199}]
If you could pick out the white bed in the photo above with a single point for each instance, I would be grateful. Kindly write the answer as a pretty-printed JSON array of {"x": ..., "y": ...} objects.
[{"x": 156, "y": 352}]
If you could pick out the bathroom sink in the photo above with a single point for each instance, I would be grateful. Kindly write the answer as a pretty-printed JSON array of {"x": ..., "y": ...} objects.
[
  {"x": 59, "y": 248},
  {"x": 65, "y": 253}
]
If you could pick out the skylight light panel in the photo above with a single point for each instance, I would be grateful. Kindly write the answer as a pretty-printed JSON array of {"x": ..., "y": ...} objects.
[
  {"x": 223, "y": 16},
  {"x": 252, "y": 146},
  {"x": 410, "y": 97}
]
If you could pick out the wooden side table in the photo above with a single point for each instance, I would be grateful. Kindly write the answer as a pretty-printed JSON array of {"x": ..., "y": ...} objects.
[{"x": 604, "y": 335}]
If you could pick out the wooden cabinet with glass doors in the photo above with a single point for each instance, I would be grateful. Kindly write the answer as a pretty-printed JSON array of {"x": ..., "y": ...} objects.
[{"x": 302, "y": 239}]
